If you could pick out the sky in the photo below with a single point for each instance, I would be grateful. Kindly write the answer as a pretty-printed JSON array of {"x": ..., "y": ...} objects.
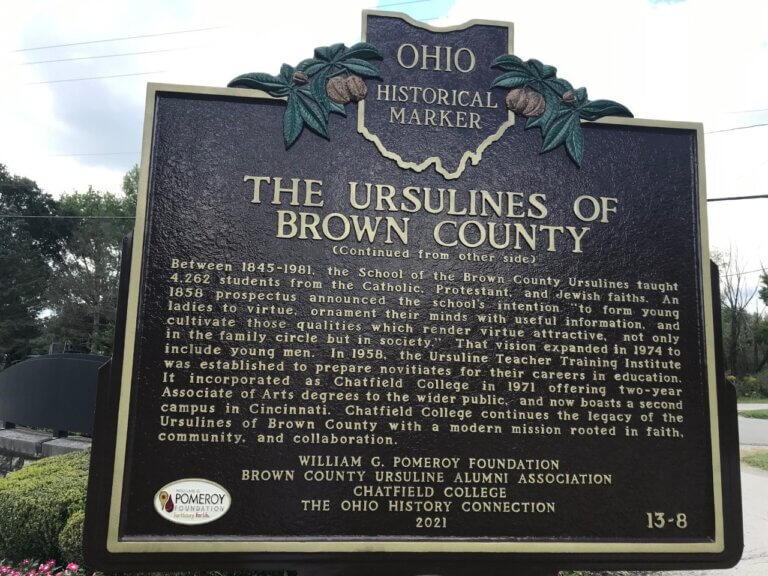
[{"x": 74, "y": 76}]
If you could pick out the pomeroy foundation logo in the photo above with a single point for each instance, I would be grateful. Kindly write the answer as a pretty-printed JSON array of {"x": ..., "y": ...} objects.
[{"x": 192, "y": 501}]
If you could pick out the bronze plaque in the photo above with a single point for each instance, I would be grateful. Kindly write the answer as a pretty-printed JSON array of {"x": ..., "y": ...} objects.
[{"x": 431, "y": 335}]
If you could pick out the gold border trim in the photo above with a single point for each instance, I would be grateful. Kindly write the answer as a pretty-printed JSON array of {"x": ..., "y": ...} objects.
[
  {"x": 418, "y": 547},
  {"x": 134, "y": 288},
  {"x": 473, "y": 156},
  {"x": 115, "y": 545}
]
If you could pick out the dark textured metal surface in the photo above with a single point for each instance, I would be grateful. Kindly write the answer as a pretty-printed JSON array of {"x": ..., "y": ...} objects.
[
  {"x": 201, "y": 211},
  {"x": 412, "y": 138},
  {"x": 199, "y": 208}
]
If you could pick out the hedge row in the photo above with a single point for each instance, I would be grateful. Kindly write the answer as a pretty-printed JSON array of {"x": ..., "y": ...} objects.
[{"x": 37, "y": 503}]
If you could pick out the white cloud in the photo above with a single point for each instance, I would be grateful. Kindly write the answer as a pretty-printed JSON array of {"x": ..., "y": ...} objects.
[
  {"x": 695, "y": 60},
  {"x": 103, "y": 118},
  {"x": 689, "y": 61}
]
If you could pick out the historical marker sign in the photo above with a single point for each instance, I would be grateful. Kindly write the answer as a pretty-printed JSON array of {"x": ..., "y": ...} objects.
[{"x": 416, "y": 325}]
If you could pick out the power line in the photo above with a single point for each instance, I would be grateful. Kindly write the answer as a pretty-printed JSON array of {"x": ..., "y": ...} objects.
[
  {"x": 737, "y": 198},
  {"x": 737, "y": 128},
  {"x": 744, "y": 273},
  {"x": 62, "y": 217},
  {"x": 109, "y": 55},
  {"x": 120, "y": 38},
  {"x": 95, "y": 78},
  {"x": 92, "y": 154},
  {"x": 402, "y": 3},
  {"x": 74, "y": 154}
]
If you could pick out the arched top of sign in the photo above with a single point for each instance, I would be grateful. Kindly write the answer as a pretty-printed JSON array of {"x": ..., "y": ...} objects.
[
  {"x": 458, "y": 108},
  {"x": 438, "y": 98}
]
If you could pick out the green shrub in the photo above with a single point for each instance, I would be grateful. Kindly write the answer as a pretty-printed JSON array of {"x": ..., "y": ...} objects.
[
  {"x": 71, "y": 538},
  {"x": 761, "y": 380},
  {"x": 751, "y": 386},
  {"x": 36, "y": 503}
]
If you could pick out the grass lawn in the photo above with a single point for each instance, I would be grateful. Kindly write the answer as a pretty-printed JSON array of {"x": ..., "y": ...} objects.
[
  {"x": 752, "y": 400},
  {"x": 762, "y": 414},
  {"x": 756, "y": 458}
]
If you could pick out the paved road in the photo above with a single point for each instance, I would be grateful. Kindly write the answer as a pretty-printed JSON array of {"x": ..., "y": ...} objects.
[
  {"x": 742, "y": 407},
  {"x": 753, "y": 432},
  {"x": 754, "y": 562}
]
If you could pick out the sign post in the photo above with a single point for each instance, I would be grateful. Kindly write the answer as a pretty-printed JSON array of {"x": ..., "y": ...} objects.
[{"x": 415, "y": 305}]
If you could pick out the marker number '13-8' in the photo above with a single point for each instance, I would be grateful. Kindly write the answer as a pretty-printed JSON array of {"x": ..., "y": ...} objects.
[{"x": 659, "y": 520}]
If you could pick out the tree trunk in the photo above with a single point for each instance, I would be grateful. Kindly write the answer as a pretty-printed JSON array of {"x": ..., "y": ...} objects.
[
  {"x": 733, "y": 348},
  {"x": 95, "y": 328}
]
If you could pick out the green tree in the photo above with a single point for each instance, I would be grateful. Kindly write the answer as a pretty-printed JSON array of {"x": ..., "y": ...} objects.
[
  {"x": 30, "y": 243},
  {"x": 131, "y": 186},
  {"x": 735, "y": 298},
  {"x": 761, "y": 327},
  {"x": 759, "y": 342},
  {"x": 84, "y": 292}
]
